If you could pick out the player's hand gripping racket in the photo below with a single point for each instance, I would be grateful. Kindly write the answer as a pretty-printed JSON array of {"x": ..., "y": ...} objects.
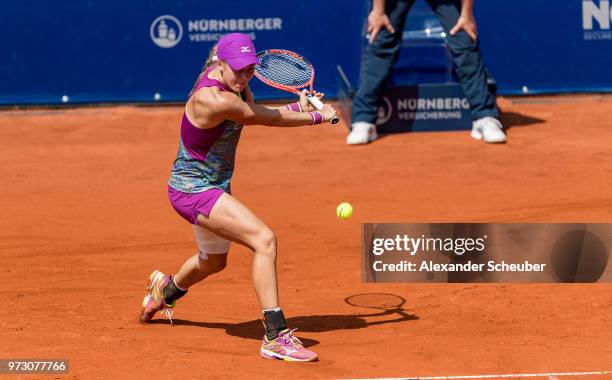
[{"x": 288, "y": 71}]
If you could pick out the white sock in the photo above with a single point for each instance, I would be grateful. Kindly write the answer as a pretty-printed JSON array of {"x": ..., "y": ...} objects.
[
  {"x": 269, "y": 310},
  {"x": 178, "y": 287}
]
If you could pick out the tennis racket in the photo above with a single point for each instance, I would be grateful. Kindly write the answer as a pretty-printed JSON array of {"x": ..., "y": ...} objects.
[{"x": 288, "y": 71}]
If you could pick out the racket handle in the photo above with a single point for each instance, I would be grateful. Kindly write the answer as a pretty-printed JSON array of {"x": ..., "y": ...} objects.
[{"x": 319, "y": 105}]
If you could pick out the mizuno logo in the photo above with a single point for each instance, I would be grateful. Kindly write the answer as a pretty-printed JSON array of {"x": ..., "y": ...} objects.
[
  {"x": 245, "y": 49},
  {"x": 288, "y": 350}
]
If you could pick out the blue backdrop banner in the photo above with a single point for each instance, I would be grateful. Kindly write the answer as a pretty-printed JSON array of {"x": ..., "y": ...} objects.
[
  {"x": 143, "y": 51},
  {"x": 93, "y": 51},
  {"x": 544, "y": 46}
]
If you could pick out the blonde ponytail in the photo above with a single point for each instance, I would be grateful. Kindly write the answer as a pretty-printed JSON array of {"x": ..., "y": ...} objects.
[
  {"x": 212, "y": 57},
  {"x": 211, "y": 60}
]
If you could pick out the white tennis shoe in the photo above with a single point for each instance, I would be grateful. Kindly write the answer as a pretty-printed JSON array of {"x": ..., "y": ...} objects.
[
  {"x": 361, "y": 133},
  {"x": 489, "y": 130}
]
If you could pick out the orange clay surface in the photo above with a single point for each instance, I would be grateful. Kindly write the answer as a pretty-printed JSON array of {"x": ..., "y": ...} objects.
[{"x": 85, "y": 218}]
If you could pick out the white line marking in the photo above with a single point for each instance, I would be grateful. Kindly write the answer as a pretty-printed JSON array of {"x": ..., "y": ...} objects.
[{"x": 500, "y": 376}]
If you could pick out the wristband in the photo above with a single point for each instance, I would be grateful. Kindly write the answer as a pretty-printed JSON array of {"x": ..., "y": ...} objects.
[
  {"x": 295, "y": 107},
  {"x": 317, "y": 117}
]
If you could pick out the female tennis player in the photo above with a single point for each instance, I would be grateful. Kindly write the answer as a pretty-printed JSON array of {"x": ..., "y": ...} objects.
[{"x": 199, "y": 189}]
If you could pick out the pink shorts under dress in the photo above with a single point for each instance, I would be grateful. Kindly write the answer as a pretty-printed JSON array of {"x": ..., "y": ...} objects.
[{"x": 190, "y": 205}]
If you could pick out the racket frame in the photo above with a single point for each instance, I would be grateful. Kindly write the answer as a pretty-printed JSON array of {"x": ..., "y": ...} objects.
[{"x": 316, "y": 102}]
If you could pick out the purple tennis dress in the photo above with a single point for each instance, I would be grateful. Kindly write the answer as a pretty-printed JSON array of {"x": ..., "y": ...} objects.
[{"x": 204, "y": 164}]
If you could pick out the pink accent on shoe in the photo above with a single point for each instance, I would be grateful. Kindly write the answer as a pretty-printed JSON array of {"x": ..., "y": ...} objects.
[
  {"x": 286, "y": 347},
  {"x": 154, "y": 299}
]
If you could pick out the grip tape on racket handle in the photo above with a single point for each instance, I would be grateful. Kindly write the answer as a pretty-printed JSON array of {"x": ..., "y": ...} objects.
[{"x": 319, "y": 105}]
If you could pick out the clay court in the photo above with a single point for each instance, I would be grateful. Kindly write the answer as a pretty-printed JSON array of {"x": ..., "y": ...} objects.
[{"x": 86, "y": 218}]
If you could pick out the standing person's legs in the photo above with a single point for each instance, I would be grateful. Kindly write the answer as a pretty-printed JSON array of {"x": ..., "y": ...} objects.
[
  {"x": 374, "y": 73},
  {"x": 471, "y": 72}
]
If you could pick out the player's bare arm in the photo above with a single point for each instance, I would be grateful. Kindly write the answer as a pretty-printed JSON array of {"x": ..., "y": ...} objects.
[
  {"x": 210, "y": 110},
  {"x": 305, "y": 105}
]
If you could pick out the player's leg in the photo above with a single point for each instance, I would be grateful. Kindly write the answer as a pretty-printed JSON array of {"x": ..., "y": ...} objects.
[
  {"x": 471, "y": 72},
  {"x": 164, "y": 290},
  {"x": 210, "y": 259},
  {"x": 196, "y": 269},
  {"x": 233, "y": 220},
  {"x": 374, "y": 73}
]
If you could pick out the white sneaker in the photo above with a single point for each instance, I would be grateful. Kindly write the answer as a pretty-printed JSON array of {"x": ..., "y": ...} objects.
[
  {"x": 361, "y": 133},
  {"x": 488, "y": 129}
]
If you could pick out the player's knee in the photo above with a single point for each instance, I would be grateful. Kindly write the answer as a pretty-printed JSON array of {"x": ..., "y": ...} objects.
[{"x": 266, "y": 242}]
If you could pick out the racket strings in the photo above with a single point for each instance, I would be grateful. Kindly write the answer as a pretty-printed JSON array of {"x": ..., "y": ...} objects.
[{"x": 285, "y": 70}]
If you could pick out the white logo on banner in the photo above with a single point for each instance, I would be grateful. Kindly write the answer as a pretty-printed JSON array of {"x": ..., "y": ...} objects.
[
  {"x": 427, "y": 108},
  {"x": 596, "y": 16},
  {"x": 166, "y": 31},
  {"x": 384, "y": 111},
  {"x": 210, "y": 30}
]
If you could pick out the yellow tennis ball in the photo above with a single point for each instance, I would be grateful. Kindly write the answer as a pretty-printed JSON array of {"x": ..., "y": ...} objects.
[{"x": 344, "y": 210}]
